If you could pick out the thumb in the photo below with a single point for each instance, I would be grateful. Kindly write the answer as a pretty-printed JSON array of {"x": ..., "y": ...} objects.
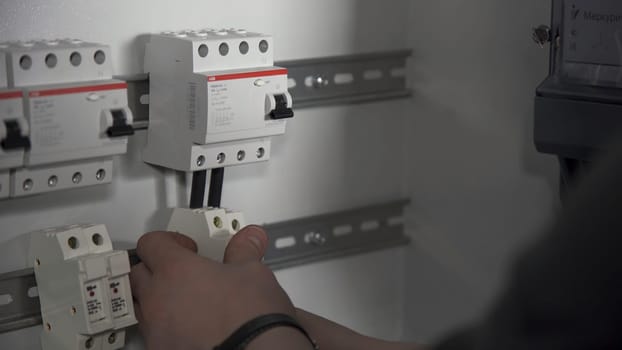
[{"x": 248, "y": 245}]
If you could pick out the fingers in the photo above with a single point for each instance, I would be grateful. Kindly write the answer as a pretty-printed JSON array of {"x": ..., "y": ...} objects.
[
  {"x": 185, "y": 241},
  {"x": 140, "y": 280},
  {"x": 142, "y": 324},
  {"x": 247, "y": 245},
  {"x": 139, "y": 314},
  {"x": 157, "y": 249}
]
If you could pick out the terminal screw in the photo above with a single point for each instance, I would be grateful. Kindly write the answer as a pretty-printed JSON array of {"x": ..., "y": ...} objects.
[
  {"x": 200, "y": 161},
  {"x": 27, "y": 185},
  {"x": 53, "y": 181},
  {"x": 76, "y": 178},
  {"x": 100, "y": 175}
]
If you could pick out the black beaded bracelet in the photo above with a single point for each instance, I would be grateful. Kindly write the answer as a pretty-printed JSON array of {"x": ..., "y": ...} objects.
[{"x": 255, "y": 327}]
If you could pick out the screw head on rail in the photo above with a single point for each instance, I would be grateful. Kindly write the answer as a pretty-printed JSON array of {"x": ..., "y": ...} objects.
[
  {"x": 319, "y": 81},
  {"x": 315, "y": 238}
]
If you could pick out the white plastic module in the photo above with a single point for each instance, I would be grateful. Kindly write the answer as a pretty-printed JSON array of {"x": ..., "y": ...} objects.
[
  {"x": 75, "y": 113},
  {"x": 210, "y": 228},
  {"x": 70, "y": 122},
  {"x": 216, "y": 98},
  {"x": 83, "y": 286}
]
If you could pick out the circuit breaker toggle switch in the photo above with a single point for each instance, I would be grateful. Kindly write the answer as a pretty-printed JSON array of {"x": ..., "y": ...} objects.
[
  {"x": 14, "y": 136},
  {"x": 280, "y": 106},
  {"x": 118, "y": 122}
]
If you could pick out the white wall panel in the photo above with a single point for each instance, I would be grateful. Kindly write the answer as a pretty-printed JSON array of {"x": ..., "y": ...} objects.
[
  {"x": 330, "y": 159},
  {"x": 462, "y": 149}
]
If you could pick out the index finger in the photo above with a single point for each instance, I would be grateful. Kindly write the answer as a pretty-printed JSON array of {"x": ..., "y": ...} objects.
[{"x": 157, "y": 249}]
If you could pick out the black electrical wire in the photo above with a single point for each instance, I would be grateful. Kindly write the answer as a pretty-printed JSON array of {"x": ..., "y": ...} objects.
[
  {"x": 215, "y": 187},
  {"x": 197, "y": 192}
]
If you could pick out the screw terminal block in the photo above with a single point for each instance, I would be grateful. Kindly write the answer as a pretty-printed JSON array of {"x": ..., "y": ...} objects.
[
  {"x": 216, "y": 93},
  {"x": 210, "y": 228},
  {"x": 83, "y": 286}
]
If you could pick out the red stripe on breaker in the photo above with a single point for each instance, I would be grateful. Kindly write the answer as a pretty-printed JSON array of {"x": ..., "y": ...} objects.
[
  {"x": 8, "y": 95},
  {"x": 265, "y": 73},
  {"x": 78, "y": 89}
]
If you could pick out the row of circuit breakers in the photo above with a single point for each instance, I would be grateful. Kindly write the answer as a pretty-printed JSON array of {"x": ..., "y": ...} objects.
[{"x": 216, "y": 99}]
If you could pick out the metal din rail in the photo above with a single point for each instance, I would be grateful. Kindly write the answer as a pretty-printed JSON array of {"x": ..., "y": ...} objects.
[{"x": 315, "y": 82}]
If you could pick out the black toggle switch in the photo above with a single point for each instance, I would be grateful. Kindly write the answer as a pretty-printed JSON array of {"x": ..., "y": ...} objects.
[
  {"x": 14, "y": 139},
  {"x": 281, "y": 111},
  {"x": 119, "y": 125}
]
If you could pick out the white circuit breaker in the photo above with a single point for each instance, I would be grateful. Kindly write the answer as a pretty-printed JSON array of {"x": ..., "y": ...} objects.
[
  {"x": 210, "y": 228},
  {"x": 83, "y": 286},
  {"x": 216, "y": 99},
  {"x": 76, "y": 115}
]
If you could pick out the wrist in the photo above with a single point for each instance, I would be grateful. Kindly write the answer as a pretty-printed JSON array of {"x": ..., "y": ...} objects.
[
  {"x": 281, "y": 338},
  {"x": 259, "y": 326}
]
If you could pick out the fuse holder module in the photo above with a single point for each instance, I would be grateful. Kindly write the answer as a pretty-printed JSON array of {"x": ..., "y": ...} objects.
[{"x": 83, "y": 286}]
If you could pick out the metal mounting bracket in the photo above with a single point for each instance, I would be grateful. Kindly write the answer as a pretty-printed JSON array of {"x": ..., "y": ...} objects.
[
  {"x": 348, "y": 79},
  {"x": 333, "y": 235}
]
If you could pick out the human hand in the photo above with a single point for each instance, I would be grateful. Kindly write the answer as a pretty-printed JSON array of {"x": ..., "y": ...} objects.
[{"x": 184, "y": 301}]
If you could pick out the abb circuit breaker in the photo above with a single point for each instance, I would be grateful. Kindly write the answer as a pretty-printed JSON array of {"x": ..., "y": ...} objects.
[
  {"x": 216, "y": 99},
  {"x": 74, "y": 118}
]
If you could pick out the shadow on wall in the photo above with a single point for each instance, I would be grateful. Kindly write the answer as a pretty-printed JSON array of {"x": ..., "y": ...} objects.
[
  {"x": 480, "y": 190},
  {"x": 168, "y": 187}
]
